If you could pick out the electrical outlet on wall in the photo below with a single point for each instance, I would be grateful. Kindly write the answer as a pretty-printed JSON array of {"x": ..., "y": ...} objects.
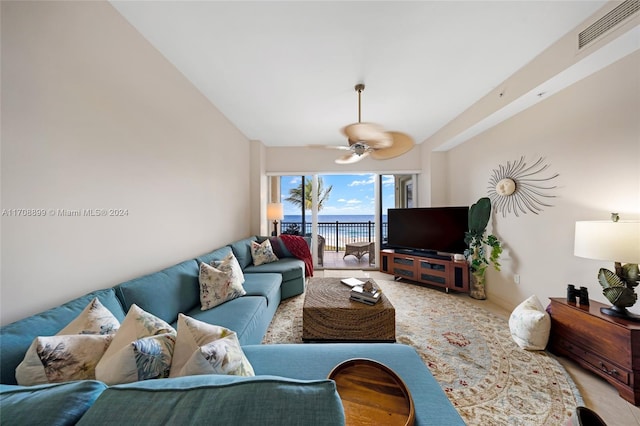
[{"x": 516, "y": 278}]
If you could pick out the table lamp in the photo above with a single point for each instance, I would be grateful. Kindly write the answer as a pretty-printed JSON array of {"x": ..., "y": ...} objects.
[
  {"x": 617, "y": 241},
  {"x": 275, "y": 212}
]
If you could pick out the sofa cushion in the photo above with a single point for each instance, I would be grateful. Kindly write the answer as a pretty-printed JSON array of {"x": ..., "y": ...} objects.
[
  {"x": 218, "y": 286},
  {"x": 265, "y": 285},
  {"x": 141, "y": 349},
  {"x": 52, "y": 404},
  {"x": 290, "y": 268},
  {"x": 217, "y": 254},
  {"x": 262, "y": 253},
  {"x": 244, "y": 315},
  {"x": 225, "y": 400},
  {"x": 165, "y": 293},
  {"x": 203, "y": 348},
  {"x": 15, "y": 338},
  {"x": 242, "y": 251}
]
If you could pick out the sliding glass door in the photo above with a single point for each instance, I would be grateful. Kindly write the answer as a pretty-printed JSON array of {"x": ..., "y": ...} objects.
[{"x": 350, "y": 211}]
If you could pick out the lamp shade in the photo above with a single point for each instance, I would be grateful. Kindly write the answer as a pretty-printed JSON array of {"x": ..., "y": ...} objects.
[
  {"x": 608, "y": 240},
  {"x": 275, "y": 211}
]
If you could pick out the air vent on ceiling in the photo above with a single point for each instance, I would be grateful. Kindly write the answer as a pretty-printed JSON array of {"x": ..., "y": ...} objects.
[{"x": 608, "y": 21}]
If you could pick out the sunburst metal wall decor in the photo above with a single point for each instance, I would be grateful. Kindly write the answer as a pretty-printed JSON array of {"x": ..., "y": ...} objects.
[{"x": 513, "y": 187}]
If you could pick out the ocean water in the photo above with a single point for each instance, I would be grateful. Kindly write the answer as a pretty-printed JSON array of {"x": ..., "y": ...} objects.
[
  {"x": 334, "y": 218},
  {"x": 350, "y": 227}
]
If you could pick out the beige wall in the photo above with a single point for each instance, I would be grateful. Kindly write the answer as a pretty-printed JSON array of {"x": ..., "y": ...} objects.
[
  {"x": 94, "y": 117},
  {"x": 590, "y": 134}
]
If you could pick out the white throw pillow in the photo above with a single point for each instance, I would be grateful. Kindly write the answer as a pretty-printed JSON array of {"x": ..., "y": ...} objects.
[
  {"x": 73, "y": 353},
  {"x": 218, "y": 286},
  {"x": 262, "y": 253},
  {"x": 530, "y": 325},
  {"x": 203, "y": 348},
  {"x": 141, "y": 349}
]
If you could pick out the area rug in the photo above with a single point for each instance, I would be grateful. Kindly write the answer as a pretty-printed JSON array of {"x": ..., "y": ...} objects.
[{"x": 469, "y": 350}]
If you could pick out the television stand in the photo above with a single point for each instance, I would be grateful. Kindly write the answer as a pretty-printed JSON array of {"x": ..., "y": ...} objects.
[
  {"x": 431, "y": 254},
  {"x": 427, "y": 268}
]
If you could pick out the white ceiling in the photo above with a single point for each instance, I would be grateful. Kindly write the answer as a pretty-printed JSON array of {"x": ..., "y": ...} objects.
[{"x": 284, "y": 72}]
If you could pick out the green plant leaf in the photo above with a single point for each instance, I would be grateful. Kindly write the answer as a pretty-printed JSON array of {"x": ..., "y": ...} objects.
[{"x": 479, "y": 214}]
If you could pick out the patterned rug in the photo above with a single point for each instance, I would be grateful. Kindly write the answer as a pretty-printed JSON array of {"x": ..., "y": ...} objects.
[{"x": 487, "y": 377}]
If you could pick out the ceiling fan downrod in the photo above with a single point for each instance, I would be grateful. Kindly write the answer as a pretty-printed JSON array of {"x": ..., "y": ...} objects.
[{"x": 359, "y": 88}]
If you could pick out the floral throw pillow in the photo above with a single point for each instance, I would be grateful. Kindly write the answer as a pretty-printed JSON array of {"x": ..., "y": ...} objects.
[
  {"x": 94, "y": 319},
  {"x": 141, "y": 349},
  {"x": 203, "y": 348},
  {"x": 73, "y": 353},
  {"x": 262, "y": 253},
  {"x": 218, "y": 286},
  {"x": 231, "y": 266},
  {"x": 55, "y": 359}
]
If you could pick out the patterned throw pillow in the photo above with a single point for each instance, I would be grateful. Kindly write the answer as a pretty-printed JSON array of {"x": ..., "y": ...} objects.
[
  {"x": 218, "y": 286},
  {"x": 94, "y": 319},
  {"x": 55, "y": 359},
  {"x": 203, "y": 348},
  {"x": 530, "y": 325},
  {"x": 262, "y": 253},
  {"x": 73, "y": 353},
  {"x": 141, "y": 349},
  {"x": 231, "y": 266}
]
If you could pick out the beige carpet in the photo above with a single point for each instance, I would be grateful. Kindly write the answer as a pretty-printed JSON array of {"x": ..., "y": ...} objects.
[{"x": 487, "y": 377}]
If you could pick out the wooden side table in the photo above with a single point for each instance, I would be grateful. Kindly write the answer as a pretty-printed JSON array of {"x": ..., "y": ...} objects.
[
  {"x": 372, "y": 394},
  {"x": 605, "y": 345}
]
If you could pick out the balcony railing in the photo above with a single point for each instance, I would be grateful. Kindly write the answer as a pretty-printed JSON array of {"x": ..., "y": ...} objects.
[{"x": 337, "y": 234}]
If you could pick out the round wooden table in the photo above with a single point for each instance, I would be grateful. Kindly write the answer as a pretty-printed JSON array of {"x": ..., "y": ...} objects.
[{"x": 372, "y": 394}]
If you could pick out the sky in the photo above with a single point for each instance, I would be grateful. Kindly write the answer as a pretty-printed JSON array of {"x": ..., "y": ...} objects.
[{"x": 351, "y": 194}]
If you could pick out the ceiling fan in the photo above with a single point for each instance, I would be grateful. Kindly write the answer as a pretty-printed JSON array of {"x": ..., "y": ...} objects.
[{"x": 370, "y": 139}]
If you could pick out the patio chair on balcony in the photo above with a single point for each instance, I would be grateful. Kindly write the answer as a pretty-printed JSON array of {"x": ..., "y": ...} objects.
[{"x": 321, "y": 243}]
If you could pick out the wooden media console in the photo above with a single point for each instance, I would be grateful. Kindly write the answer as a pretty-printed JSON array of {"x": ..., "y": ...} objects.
[{"x": 440, "y": 271}]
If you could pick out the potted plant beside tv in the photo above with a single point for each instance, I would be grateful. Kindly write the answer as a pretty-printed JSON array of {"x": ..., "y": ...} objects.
[{"x": 483, "y": 250}]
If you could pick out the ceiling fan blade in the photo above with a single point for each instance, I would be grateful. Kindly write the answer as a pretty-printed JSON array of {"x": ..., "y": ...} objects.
[
  {"x": 340, "y": 147},
  {"x": 351, "y": 158},
  {"x": 401, "y": 143},
  {"x": 373, "y": 134}
]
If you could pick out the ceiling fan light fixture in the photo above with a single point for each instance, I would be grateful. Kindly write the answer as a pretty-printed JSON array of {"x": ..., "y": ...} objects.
[{"x": 354, "y": 157}]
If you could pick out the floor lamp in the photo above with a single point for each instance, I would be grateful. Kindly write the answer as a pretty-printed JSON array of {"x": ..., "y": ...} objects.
[{"x": 275, "y": 212}]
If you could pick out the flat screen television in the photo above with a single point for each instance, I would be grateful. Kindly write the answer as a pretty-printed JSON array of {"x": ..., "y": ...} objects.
[{"x": 428, "y": 229}]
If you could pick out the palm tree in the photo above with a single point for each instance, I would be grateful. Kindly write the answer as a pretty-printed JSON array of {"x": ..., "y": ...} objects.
[{"x": 296, "y": 196}]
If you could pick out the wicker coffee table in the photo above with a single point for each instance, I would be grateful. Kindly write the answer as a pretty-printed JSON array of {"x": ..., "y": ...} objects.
[{"x": 329, "y": 315}]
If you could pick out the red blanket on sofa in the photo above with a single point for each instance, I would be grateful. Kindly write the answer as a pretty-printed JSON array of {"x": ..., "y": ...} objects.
[{"x": 299, "y": 248}]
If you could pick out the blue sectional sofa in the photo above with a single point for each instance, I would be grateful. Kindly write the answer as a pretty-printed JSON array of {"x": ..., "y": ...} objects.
[{"x": 290, "y": 386}]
